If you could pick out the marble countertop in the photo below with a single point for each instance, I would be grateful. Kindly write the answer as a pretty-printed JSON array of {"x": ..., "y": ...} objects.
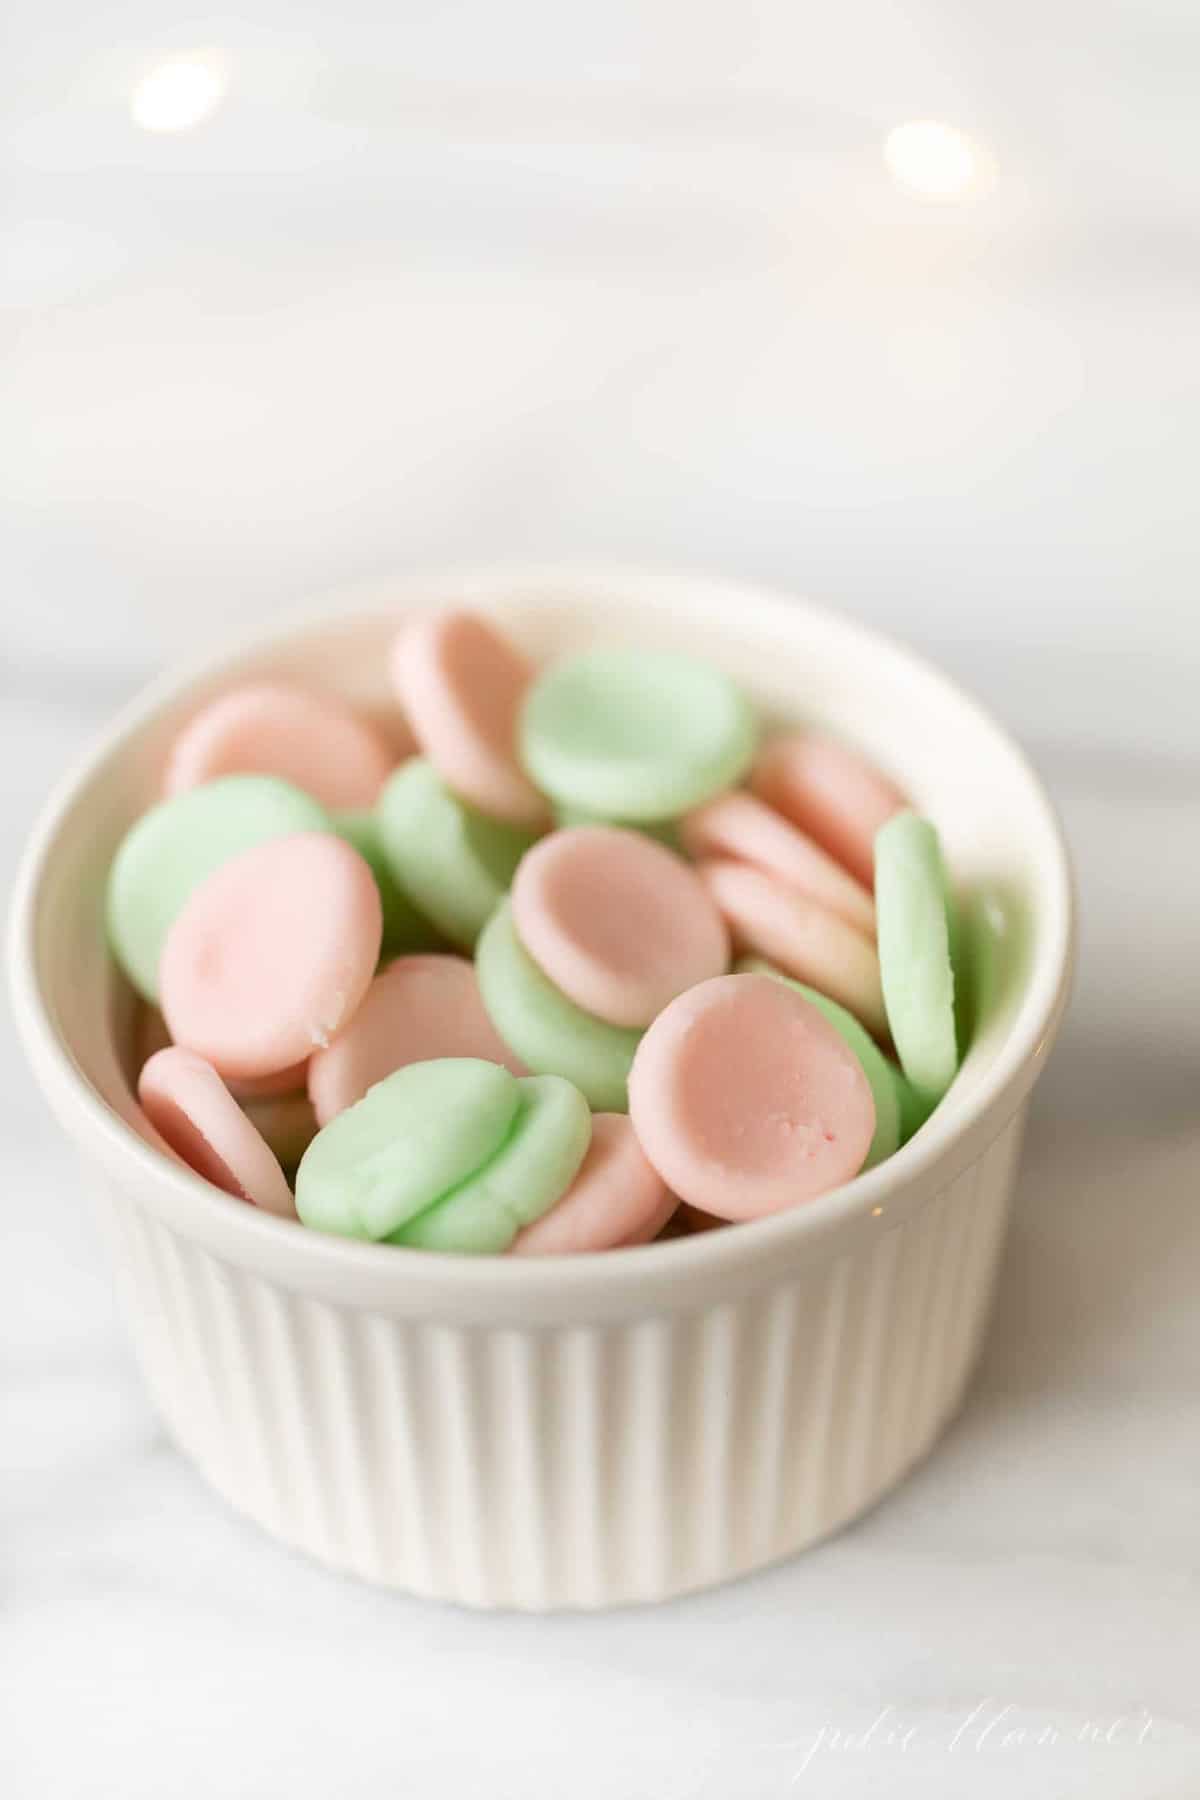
[{"x": 1023, "y": 1616}]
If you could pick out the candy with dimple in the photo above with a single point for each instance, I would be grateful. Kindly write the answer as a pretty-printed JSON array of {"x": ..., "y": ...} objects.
[
  {"x": 193, "y": 1111},
  {"x": 170, "y": 850},
  {"x": 276, "y": 728},
  {"x": 830, "y": 792},
  {"x": 462, "y": 684},
  {"x": 747, "y": 1100},
  {"x": 747, "y": 830},
  {"x": 420, "y": 1009},
  {"x": 534, "y": 1165},
  {"x": 618, "y": 923},
  {"x": 635, "y": 734},
  {"x": 550, "y": 1034},
  {"x": 915, "y": 937},
  {"x": 886, "y": 1081},
  {"x": 272, "y": 954},
  {"x": 454, "y": 864},
  {"x": 617, "y": 1198},
  {"x": 406, "y": 1144},
  {"x": 803, "y": 939}
]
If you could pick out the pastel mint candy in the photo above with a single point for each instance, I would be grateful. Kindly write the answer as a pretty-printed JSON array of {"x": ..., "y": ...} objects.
[
  {"x": 411, "y": 1139},
  {"x": 170, "y": 850},
  {"x": 885, "y": 1081},
  {"x": 532, "y": 1169},
  {"x": 404, "y": 928},
  {"x": 635, "y": 735},
  {"x": 915, "y": 935},
  {"x": 453, "y": 864},
  {"x": 550, "y": 1034},
  {"x": 663, "y": 831},
  {"x": 915, "y": 1108}
]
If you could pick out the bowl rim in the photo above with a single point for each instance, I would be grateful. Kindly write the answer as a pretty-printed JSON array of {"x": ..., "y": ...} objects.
[{"x": 557, "y": 1285}]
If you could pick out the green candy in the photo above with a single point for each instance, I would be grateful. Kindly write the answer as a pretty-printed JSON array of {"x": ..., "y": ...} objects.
[
  {"x": 886, "y": 1083},
  {"x": 915, "y": 934},
  {"x": 412, "y": 1138},
  {"x": 915, "y": 1108},
  {"x": 175, "y": 846},
  {"x": 453, "y": 864},
  {"x": 404, "y": 928},
  {"x": 663, "y": 831},
  {"x": 634, "y": 734},
  {"x": 532, "y": 1169},
  {"x": 550, "y": 1034}
]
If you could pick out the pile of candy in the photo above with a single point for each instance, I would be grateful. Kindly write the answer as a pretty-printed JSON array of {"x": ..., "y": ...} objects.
[{"x": 300, "y": 911}]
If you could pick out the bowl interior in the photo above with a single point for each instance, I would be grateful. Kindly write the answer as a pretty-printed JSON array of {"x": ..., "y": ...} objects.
[{"x": 799, "y": 663}]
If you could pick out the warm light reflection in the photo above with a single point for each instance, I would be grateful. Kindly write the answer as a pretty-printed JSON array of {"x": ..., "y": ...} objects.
[
  {"x": 931, "y": 159},
  {"x": 177, "y": 95}
]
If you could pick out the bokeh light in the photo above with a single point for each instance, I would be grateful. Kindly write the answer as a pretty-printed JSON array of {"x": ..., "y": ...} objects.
[
  {"x": 178, "y": 95},
  {"x": 931, "y": 159}
]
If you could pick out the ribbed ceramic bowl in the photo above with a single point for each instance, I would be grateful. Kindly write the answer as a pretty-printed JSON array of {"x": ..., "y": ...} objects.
[{"x": 592, "y": 1431}]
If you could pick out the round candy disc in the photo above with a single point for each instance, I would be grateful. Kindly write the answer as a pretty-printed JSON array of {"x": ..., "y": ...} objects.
[
  {"x": 885, "y": 1079},
  {"x": 807, "y": 941},
  {"x": 189, "y": 1105},
  {"x": 404, "y": 928},
  {"x": 831, "y": 793},
  {"x": 549, "y": 1033},
  {"x": 913, "y": 903},
  {"x": 407, "y": 1143},
  {"x": 663, "y": 831},
  {"x": 616, "y": 1198},
  {"x": 273, "y": 728},
  {"x": 635, "y": 734},
  {"x": 747, "y": 1101},
  {"x": 534, "y": 1165},
  {"x": 421, "y": 1008},
  {"x": 452, "y": 862},
  {"x": 170, "y": 850},
  {"x": 271, "y": 955},
  {"x": 739, "y": 826},
  {"x": 619, "y": 924},
  {"x": 915, "y": 1107},
  {"x": 462, "y": 685}
]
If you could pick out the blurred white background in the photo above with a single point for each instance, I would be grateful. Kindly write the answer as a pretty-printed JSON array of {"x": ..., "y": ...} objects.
[{"x": 451, "y": 281}]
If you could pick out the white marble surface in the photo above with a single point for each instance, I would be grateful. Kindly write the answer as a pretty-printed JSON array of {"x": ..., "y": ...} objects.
[{"x": 1044, "y": 1560}]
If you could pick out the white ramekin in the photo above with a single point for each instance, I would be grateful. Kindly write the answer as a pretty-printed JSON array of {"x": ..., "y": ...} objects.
[{"x": 599, "y": 1430}]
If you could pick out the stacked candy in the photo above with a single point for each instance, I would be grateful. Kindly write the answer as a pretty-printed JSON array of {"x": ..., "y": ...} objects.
[{"x": 301, "y": 909}]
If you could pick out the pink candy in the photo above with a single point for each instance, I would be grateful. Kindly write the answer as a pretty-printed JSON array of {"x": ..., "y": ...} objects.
[
  {"x": 421, "y": 1007},
  {"x": 461, "y": 684},
  {"x": 746, "y": 1099},
  {"x": 739, "y": 826},
  {"x": 269, "y": 728},
  {"x": 620, "y": 924},
  {"x": 803, "y": 939},
  {"x": 831, "y": 793},
  {"x": 189, "y": 1105},
  {"x": 271, "y": 956},
  {"x": 616, "y": 1198}
]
